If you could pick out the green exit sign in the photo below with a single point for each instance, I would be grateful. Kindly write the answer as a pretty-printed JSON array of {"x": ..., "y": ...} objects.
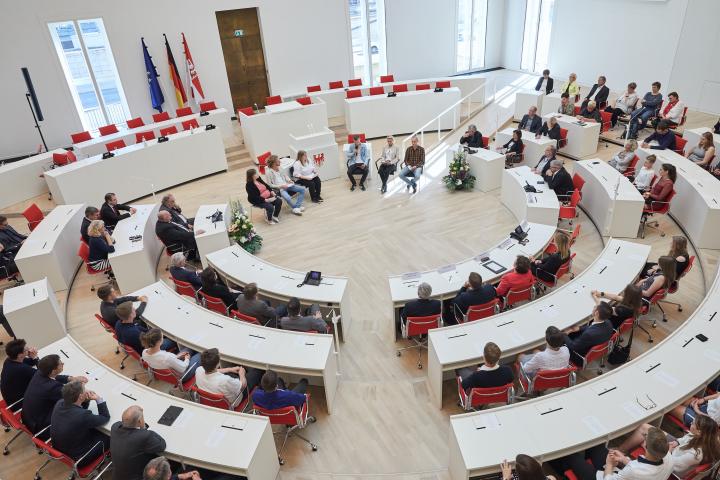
[{"x": 239, "y": 33}]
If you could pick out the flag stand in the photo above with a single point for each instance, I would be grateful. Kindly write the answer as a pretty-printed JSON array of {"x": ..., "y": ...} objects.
[{"x": 37, "y": 125}]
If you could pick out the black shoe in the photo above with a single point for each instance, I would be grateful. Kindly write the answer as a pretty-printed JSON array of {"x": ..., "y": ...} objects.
[
  {"x": 407, "y": 188},
  {"x": 320, "y": 199},
  {"x": 352, "y": 189},
  {"x": 362, "y": 187},
  {"x": 414, "y": 188},
  {"x": 383, "y": 189}
]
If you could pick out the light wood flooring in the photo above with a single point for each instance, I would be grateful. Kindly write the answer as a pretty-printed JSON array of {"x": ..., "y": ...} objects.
[{"x": 384, "y": 425}]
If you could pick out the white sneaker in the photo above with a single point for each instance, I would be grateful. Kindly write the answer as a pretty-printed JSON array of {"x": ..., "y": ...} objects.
[
  {"x": 269, "y": 222},
  {"x": 297, "y": 211},
  {"x": 302, "y": 208},
  {"x": 276, "y": 220}
]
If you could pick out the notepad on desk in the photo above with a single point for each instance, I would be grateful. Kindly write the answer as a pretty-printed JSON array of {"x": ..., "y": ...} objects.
[{"x": 487, "y": 421}]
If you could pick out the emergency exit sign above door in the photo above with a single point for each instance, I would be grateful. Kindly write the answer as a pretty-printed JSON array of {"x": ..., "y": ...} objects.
[{"x": 239, "y": 33}]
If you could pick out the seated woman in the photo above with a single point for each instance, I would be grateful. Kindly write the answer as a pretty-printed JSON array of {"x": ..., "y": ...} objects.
[
  {"x": 663, "y": 186},
  {"x": 472, "y": 138},
  {"x": 521, "y": 278},
  {"x": 101, "y": 244},
  {"x": 550, "y": 129},
  {"x": 513, "y": 148},
  {"x": 622, "y": 160},
  {"x": 663, "y": 277},
  {"x": 212, "y": 286},
  {"x": 678, "y": 251},
  {"x": 695, "y": 407},
  {"x": 626, "y": 305},
  {"x": 284, "y": 186},
  {"x": 526, "y": 468},
  {"x": 546, "y": 268},
  {"x": 261, "y": 195},
  {"x": 183, "y": 363},
  {"x": 305, "y": 174},
  {"x": 704, "y": 152},
  {"x": 700, "y": 445}
]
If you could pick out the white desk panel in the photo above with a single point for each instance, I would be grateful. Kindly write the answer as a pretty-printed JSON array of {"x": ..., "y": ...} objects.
[
  {"x": 135, "y": 263},
  {"x": 534, "y": 147},
  {"x": 485, "y": 165},
  {"x": 34, "y": 314},
  {"x": 524, "y": 100},
  {"x": 215, "y": 236},
  {"x": 551, "y": 103},
  {"x": 22, "y": 180},
  {"x": 542, "y": 207},
  {"x": 466, "y": 84},
  {"x": 334, "y": 99},
  {"x": 139, "y": 170},
  {"x": 611, "y": 200},
  {"x": 582, "y": 140},
  {"x": 223, "y": 441},
  {"x": 380, "y": 115},
  {"x": 51, "y": 249}
]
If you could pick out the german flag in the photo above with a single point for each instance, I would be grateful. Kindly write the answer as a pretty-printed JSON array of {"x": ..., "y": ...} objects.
[{"x": 175, "y": 76}]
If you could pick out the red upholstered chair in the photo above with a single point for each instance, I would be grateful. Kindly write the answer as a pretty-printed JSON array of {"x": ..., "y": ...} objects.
[
  {"x": 413, "y": 328},
  {"x": 355, "y": 82},
  {"x": 131, "y": 353},
  {"x": 12, "y": 419},
  {"x": 485, "y": 142},
  {"x": 400, "y": 87},
  {"x": 337, "y": 84},
  {"x": 606, "y": 121},
  {"x": 552, "y": 248},
  {"x": 109, "y": 329},
  {"x": 353, "y": 93},
  {"x": 262, "y": 162},
  {"x": 115, "y": 145},
  {"x": 274, "y": 100},
  {"x": 599, "y": 352},
  {"x": 218, "y": 400},
  {"x": 292, "y": 419},
  {"x": 361, "y": 135},
  {"x": 563, "y": 137},
  {"x": 442, "y": 84},
  {"x": 630, "y": 171},
  {"x": 53, "y": 454},
  {"x": 387, "y": 78},
  {"x": 80, "y": 137},
  {"x": 422, "y": 86},
  {"x": 61, "y": 159},
  {"x": 172, "y": 129},
  {"x": 184, "y": 288},
  {"x": 675, "y": 286},
  {"x": 108, "y": 130},
  {"x": 680, "y": 144},
  {"x": 160, "y": 117},
  {"x": 207, "y": 106},
  {"x": 682, "y": 120},
  {"x": 84, "y": 254},
  {"x": 183, "y": 112},
  {"x": 33, "y": 215},
  {"x": 518, "y": 296},
  {"x": 546, "y": 379},
  {"x": 247, "y": 111},
  {"x": 569, "y": 211},
  {"x": 647, "y": 305},
  {"x": 184, "y": 382},
  {"x": 135, "y": 122},
  {"x": 245, "y": 318},
  {"x": 478, "y": 312},
  {"x": 564, "y": 269},
  {"x": 140, "y": 136},
  {"x": 577, "y": 109},
  {"x": 212, "y": 303},
  {"x": 655, "y": 208},
  {"x": 304, "y": 100},
  {"x": 190, "y": 124},
  {"x": 479, "y": 397},
  {"x": 377, "y": 91},
  {"x": 313, "y": 88}
]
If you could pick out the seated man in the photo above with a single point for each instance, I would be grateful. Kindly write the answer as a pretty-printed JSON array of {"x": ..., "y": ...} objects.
[
  {"x": 175, "y": 237},
  {"x": 128, "y": 332},
  {"x": 671, "y": 111},
  {"x": 10, "y": 238},
  {"x": 272, "y": 393},
  {"x": 663, "y": 138},
  {"x": 179, "y": 271},
  {"x": 489, "y": 374},
  {"x": 545, "y": 83},
  {"x": 111, "y": 300},
  {"x": 556, "y": 355},
  {"x": 471, "y": 294},
  {"x": 414, "y": 164},
  {"x": 232, "y": 382},
  {"x": 543, "y": 164},
  {"x": 580, "y": 340},
  {"x": 590, "y": 113},
  {"x": 598, "y": 93},
  {"x": 517, "y": 280},
  {"x": 249, "y": 304},
  {"x": 168, "y": 204},
  {"x": 558, "y": 179},
  {"x": 531, "y": 121},
  {"x": 132, "y": 445},
  {"x": 472, "y": 138},
  {"x": 8, "y": 267},
  {"x": 74, "y": 427},
  {"x": 624, "y": 104},
  {"x": 650, "y": 104},
  {"x": 357, "y": 159},
  {"x": 18, "y": 369},
  {"x": 110, "y": 211},
  {"x": 423, "y": 306},
  {"x": 311, "y": 321},
  {"x": 91, "y": 213},
  {"x": 159, "y": 469},
  {"x": 44, "y": 391}
]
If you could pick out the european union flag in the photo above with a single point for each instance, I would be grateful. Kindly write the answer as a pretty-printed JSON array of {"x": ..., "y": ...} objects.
[{"x": 156, "y": 95}]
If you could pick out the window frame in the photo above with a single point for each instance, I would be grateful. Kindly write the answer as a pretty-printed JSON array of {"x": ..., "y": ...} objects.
[
  {"x": 470, "y": 37},
  {"x": 533, "y": 63}
]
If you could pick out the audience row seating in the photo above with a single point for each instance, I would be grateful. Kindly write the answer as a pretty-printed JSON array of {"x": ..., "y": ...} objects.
[{"x": 400, "y": 87}]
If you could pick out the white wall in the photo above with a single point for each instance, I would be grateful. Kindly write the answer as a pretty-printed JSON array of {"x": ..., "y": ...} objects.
[
  {"x": 305, "y": 42},
  {"x": 494, "y": 35},
  {"x": 514, "y": 21}
]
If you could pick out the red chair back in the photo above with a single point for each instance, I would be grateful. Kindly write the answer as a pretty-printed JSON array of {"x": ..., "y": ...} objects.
[
  {"x": 274, "y": 100},
  {"x": 600, "y": 350},
  {"x": 262, "y": 162},
  {"x": 361, "y": 135},
  {"x": 565, "y": 267},
  {"x": 108, "y": 130},
  {"x": 135, "y": 122},
  {"x": 680, "y": 144},
  {"x": 304, "y": 100},
  {"x": 422, "y": 86},
  {"x": 387, "y": 78},
  {"x": 484, "y": 396},
  {"x": 104, "y": 323},
  {"x": 337, "y": 84},
  {"x": 140, "y": 136},
  {"x": 606, "y": 121},
  {"x": 50, "y": 451},
  {"x": 11, "y": 418},
  {"x": 80, "y": 137},
  {"x": 288, "y": 416},
  {"x": 60, "y": 159},
  {"x": 488, "y": 309},
  {"x": 377, "y": 91},
  {"x": 353, "y": 93},
  {"x": 190, "y": 124},
  {"x": 313, "y": 88},
  {"x": 577, "y": 110},
  {"x": 183, "y": 112},
  {"x": 514, "y": 297},
  {"x": 245, "y": 318},
  {"x": 248, "y": 111},
  {"x": 442, "y": 84},
  {"x": 210, "y": 399},
  {"x": 421, "y": 325},
  {"x": 660, "y": 207},
  {"x": 160, "y": 117},
  {"x": 184, "y": 288},
  {"x": 570, "y": 210},
  {"x": 563, "y": 137},
  {"x": 547, "y": 379},
  {"x": 213, "y": 303},
  {"x": 355, "y": 82},
  {"x": 578, "y": 182},
  {"x": 400, "y": 87},
  {"x": 689, "y": 266},
  {"x": 33, "y": 215},
  {"x": 207, "y": 106},
  {"x": 486, "y": 142},
  {"x": 171, "y": 130},
  {"x": 633, "y": 165},
  {"x": 626, "y": 325},
  {"x": 115, "y": 145}
]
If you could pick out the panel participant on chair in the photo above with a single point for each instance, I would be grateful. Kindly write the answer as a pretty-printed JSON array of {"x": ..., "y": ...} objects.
[
  {"x": 547, "y": 267},
  {"x": 260, "y": 195},
  {"x": 580, "y": 340},
  {"x": 180, "y": 271},
  {"x": 590, "y": 113},
  {"x": 550, "y": 129},
  {"x": 472, "y": 293},
  {"x": 531, "y": 121},
  {"x": 598, "y": 93},
  {"x": 234, "y": 383},
  {"x": 622, "y": 160},
  {"x": 556, "y": 355},
  {"x": 678, "y": 251},
  {"x": 10, "y": 238},
  {"x": 512, "y": 148},
  {"x": 249, "y": 304},
  {"x": 110, "y": 299},
  {"x": 304, "y": 171},
  {"x": 129, "y": 333},
  {"x": 472, "y": 137},
  {"x": 489, "y": 374},
  {"x": 175, "y": 237},
  {"x": 571, "y": 87},
  {"x": 282, "y": 184},
  {"x": 566, "y": 106},
  {"x": 545, "y": 83},
  {"x": 110, "y": 211},
  {"x": 423, "y": 306},
  {"x": 663, "y": 277},
  {"x": 357, "y": 159},
  {"x": 624, "y": 104},
  {"x": 558, "y": 179},
  {"x": 212, "y": 286},
  {"x": 671, "y": 111},
  {"x": 414, "y": 164},
  {"x": 388, "y": 160},
  {"x": 650, "y": 103},
  {"x": 624, "y": 306}
]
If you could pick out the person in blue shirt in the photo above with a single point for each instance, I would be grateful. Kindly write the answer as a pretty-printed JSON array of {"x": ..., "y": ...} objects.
[
  {"x": 128, "y": 332},
  {"x": 664, "y": 137},
  {"x": 651, "y": 103},
  {"x": 357, "y": 162},
  {"x": 273, "y": 394}
]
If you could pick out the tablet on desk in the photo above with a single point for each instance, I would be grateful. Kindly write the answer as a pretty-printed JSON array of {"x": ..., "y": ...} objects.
[
  {"x": 494, "y": 267},
  {"x": 170, "y": 415}
]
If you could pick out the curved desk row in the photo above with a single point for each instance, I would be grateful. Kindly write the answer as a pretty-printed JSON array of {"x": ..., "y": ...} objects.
[
  {"x": 23, "y": 179},
  {"x": 597, "y": 410},
  {"x": 206, "y": 437},
  {"x": 582, "y": 139},
  {"x": 294, "y": 353},
  {"x": 540, "y": 207}
]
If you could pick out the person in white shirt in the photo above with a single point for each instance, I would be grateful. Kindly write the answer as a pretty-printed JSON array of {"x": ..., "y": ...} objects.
[
  {"x": 694, "y": 407},
  {"x": 183, "y": 364},
  {"x": 622, "y": 160},
  {"x": 671, "y": 111},
  {"x": 644, "y": 176},
  {"x": 556, "y": 355},
  {"x": 282, "y": 183},
  {"x": 624, "y": 104},
  {"x": 700, "y": 445},
  {"x": 233, "y": 383},
  {"x": 388, "y": 161},
  {"x": 305, "y": 173}
]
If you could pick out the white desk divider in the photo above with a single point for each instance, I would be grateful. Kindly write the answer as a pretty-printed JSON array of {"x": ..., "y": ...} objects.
[{"x": 34, "y": 314}]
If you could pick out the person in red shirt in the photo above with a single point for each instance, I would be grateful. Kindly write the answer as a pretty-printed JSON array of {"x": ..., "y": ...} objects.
[
  {"x": 663, "y": 187},
  {"x": 521, "y": 278}
]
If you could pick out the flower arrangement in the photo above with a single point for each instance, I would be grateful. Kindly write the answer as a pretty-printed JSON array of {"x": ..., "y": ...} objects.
[
  {"x": 458, "y": 177},
  {"x": 242, "y": 230}
]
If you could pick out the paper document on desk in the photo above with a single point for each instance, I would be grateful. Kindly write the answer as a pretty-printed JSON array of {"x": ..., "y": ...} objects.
[
  {"x": 712, "y": 354},
  {"x": 594, "y": 425},
  {"x": 551, "y": 311},
  {"x": 486, "y": 422},
  {"x": 634, "y": 410},
  {"x": 216, "y": 437},
  {"x": 664, "y": 377},
  {"x": 183, "y": 419},
  {"x": 447, "y": 269},
  {"x": 411, "y": 275}
]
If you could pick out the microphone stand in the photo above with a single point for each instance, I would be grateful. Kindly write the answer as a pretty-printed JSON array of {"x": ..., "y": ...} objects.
[{"x": 37, "y": 125}]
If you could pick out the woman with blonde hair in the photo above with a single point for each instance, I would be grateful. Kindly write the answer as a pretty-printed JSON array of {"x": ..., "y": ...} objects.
[
  {"x": 100, "y": 245},
  {"x": 305, "y": 173},
  {"x": 678, "y": 251},
  {"x": 704, "y": 152},
  {"x": 546, "y": 268},
  {"x": 622, "y": 160}
]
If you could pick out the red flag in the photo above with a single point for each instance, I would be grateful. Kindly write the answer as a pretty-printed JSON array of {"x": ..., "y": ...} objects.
[
  {"x": 175, "y": 76},
  {"x": 192, "y": 73}
]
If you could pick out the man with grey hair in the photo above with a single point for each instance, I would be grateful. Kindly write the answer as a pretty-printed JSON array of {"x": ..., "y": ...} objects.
[
  {"x": 414, "y": 164},
  {"x": 176, "y": 237},
  {"x": 559, "y": 180},
  {"x": 169, "y": 204},
  {"x": 133, "y": 445},
  {"x": 543, "y": 164},
  {"x": 423, "y": 306},
  {"x": 179, "y": 271},
  {"x": 159, "y": 469},
  {"x": 472, "y": 138}
]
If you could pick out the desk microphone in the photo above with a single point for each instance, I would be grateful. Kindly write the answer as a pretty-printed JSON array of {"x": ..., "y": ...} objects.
[{"x": 256, "y": 107}]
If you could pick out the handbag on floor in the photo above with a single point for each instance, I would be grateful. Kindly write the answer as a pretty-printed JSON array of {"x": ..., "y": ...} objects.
[{"x": 621, "y": 353}]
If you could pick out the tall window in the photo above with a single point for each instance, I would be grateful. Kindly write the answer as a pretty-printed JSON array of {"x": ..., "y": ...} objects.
[
  {"x": 471, "y": 28},
  {"x": 87, "y": 60},
  {"x": 367, "y": 31},
  {"x": 536, "y": 36}
]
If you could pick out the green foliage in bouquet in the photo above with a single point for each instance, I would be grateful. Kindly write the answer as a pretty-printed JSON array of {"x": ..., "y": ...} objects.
[
  {"x": 242, "y": 230},
  {"x": 458, "y": 177}
]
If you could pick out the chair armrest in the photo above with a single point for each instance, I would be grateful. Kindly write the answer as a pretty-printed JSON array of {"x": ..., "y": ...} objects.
[
  {"x": 655, "y": 204},
  {"x": 88, "y": 452}
]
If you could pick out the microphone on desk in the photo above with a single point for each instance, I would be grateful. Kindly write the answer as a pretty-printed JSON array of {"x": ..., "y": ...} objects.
[{"x": 256, "y": 107}]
